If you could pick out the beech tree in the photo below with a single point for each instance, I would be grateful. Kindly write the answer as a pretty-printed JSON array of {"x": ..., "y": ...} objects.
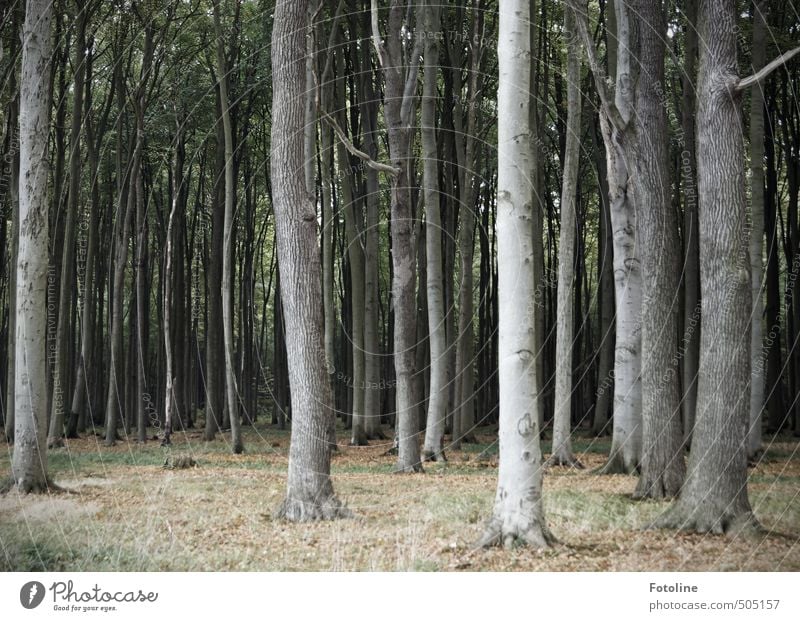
[
  {"x": 29, "y": 461},
  {"x": 616, "y": 110},
  {"x": 437, "y": 403},
  {"x": 714, "y": 498},
  {"x": 517, "y": 515},
  {"x": 309, "y": 491},
  {"x": 400, "y": 69},
  {"x": 562, "y": 441},
  {"x": 647, "y": 146}
]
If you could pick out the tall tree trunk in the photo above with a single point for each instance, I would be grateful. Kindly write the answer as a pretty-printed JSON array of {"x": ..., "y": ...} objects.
[
  {"x": 170, "y": 396},
  {"x": 714, "y": 498},
  {"x": 463, "y": 416},
  {"x": 231, "y": 389},
  {"x": 626, "y": 442},
  {"x": 433, "y": 448},
  {"x": 562, "y": 454},
  {"x": 518, "y": 515},
  {"x": 309, "y": 493},
  {"x": 115, "y": 396},
  {"x": 401, "y": 78},
  {"x": 774, "y": 340},
  {"x": 691, "y": 249},
  {"x": 662, "y": 465},
  {"x": 63, "y": 336},
  {"x": 351, "y": 206},
  {"x": 605, "y": 367},
  {"x": 29, "y": 461},
  {"x": 214, "y": 377},
  {"x": 757, "y": 236},
  {"x": 140, "y": 343},
  {"x": 13, "y": 256},
  {"x": 372, "y": 345},
  {"x": 91, "y": 229}
]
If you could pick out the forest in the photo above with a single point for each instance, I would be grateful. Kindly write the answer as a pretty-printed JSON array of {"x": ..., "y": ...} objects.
[{"x": 399, "y": 285}]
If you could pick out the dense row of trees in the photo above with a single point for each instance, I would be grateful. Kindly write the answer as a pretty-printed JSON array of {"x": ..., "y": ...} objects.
[{"x": 220, "y": 210}]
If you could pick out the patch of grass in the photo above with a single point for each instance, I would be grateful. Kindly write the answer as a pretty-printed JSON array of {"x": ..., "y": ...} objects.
[
  {"x": 593, "y": 511},
  {"x": 136, "y": 516}
]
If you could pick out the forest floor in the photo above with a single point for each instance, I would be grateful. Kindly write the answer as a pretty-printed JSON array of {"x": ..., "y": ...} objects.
[{"x": 124, "y": 511}]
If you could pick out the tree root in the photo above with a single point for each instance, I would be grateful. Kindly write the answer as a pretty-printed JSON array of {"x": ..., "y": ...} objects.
[
  {"x": 408, "y": 468},
  {"x": 707, "y": 521},
  {"x": 297, "y": 510},
  {"x": 566, "y": 460},
  {"x": 535, "y": 536},
  {"x": 433, "y": 456},
  {"x": 656, "y": 488},
  {"x": 616, "y": 465},
  {"x": 8, "y": 485}
]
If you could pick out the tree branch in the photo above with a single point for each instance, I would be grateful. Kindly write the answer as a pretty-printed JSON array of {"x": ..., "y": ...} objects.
[
  {"x": 410, "y": 87},
  {"x": 385, "y": 168},
  {"x": 376, "y": 31},
  {"x": 598, "y": 73},
  {"x": 759, "y": 76}
]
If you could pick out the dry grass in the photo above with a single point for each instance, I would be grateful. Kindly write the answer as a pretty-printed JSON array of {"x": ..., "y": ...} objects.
[{"x": 127, "y": 512}]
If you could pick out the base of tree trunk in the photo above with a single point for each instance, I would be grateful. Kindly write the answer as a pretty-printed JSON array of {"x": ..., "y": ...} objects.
[
  {"x": 690, "y": 517},
  {"x": 55, "y": 443},
  {"x": 376, "y": 435},
  {"x": 9, "y": 486},
  {"x": 755, "y": 459},
  {"x": 407, "y": 468},
  {"x": 567, "y": 460},
  {"x": 659, "y": 487},
  {"x": 238, "y": 447},
  {"x": 616, "y": 465},
  {"x": 469, "y": 438},
  {"x": 433, "y": 456},
  {"x": 360, "y": 439},
  {"x": 509, "y": 535},
  {"x": 294, "y": 509}
]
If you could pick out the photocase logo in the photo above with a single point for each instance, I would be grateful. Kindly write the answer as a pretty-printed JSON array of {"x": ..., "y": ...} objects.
[{"x": 31, "y": 594}]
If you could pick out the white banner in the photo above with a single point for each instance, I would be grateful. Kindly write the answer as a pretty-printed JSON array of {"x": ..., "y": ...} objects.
[{"x": 399, "y": 597}]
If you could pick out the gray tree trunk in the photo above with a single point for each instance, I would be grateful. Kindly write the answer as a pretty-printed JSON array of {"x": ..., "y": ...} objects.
[
  {"x": 372, "y": 346},
  {"x": 757, "y": 355},
  {"x": 309, "y": 492},
  {"x": 662, "y": 465},
  {"x": 605, "y": 367},
  {"x": 463, "y": 416},
  {"x": 215, "y": 352},
  {"x": 433, "y": 448},
  {"x": 63, "y": 337},
  {"x": 13, "y": 183},
  {"x": 518, "y": 515},
  {"x": 228, "y": 267},
  {"x": 355, "y": 253},
  {"x": 562, "y": 454},
  {"x": 626, "y": 442},
  {"x": 691, "y": 261},
  {"x": 116, "y": 371},
  {"x": 29, "y": 461},
  {"x": 401, "y": 79},
  {"x": 87, "y": 314},
  {"x": 714, "y": 497},
  {"x": 170, "y": 396}
]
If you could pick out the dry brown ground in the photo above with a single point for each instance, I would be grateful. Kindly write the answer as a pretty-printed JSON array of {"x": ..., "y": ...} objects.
[{"x": 126, "y": 512}]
